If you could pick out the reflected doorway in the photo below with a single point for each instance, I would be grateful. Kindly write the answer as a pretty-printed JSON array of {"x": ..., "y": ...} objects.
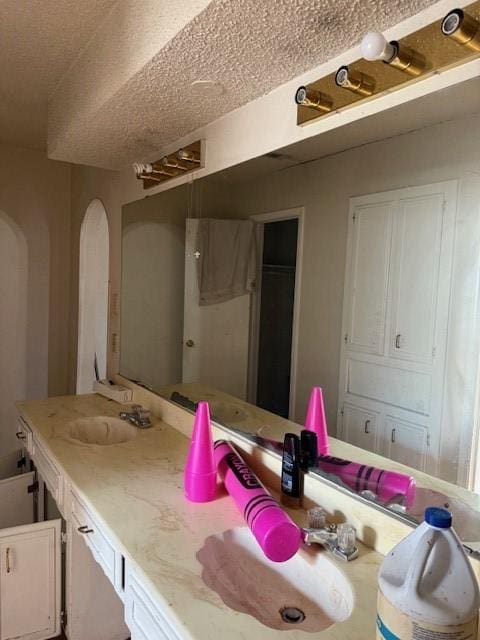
[
  {"x": 272, "y": 370},
  {"x": 93, "y": 297}
]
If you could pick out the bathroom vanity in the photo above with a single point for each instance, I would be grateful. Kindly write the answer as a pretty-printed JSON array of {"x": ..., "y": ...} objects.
[{"x": 122, "y": 506}]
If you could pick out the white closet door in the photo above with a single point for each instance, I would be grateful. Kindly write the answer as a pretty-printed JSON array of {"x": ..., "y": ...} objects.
[
  {"x": 215, "y": 345},
  {"x": 368, "y": 269},
  {"x": 417, "y": 238},
  {"x": 30, "y": 581},
  {"x": 406, "y": 442}
]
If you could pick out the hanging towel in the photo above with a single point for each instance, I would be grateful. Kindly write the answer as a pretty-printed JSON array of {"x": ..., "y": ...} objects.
[{"x": 226, "y": 265}]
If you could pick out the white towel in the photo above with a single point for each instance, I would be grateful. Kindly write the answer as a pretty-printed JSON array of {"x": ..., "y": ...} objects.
[{"x": 226, "y": 266}]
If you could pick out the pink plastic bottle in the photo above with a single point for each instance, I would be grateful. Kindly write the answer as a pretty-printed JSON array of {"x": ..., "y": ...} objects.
[
  {"x": 200, "y": 477},
  {"x": 316, "y": 420},
  {"x": 275, "y": 532},
  {"x": 386, "y": 485}
]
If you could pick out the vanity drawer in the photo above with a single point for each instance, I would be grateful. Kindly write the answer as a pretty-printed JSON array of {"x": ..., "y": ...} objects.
[
  {"x": 142, "y": 616},
  {"x": 103, "y": 551},
  {"x": 49, "y": 473},
  {"x": 24, "y": 435}
]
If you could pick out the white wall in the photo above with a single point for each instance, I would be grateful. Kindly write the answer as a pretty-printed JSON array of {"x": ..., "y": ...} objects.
[{"x": 35, "y": 203}]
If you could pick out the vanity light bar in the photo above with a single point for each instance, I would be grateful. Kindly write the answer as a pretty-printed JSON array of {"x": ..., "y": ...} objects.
[
  {"x": 385, "y": 66},
  {"x": 181, "y": 162}
]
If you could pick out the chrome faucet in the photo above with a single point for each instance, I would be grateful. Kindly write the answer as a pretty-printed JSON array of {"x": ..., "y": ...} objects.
[
  {"x": 339, "y": 539},
  {"x": 139, "y": 416}
]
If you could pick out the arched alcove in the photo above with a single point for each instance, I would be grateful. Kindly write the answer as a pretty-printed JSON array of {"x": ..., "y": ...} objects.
[
  {"x": 13, "y": 331},
  {"x": 93, "y": 296}
]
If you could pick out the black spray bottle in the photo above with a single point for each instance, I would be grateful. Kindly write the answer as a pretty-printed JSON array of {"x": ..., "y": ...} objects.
[{"x": 292, "y": 475}]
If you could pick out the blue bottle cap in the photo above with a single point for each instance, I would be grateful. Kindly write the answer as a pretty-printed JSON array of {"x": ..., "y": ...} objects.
[{"x": 437, "y": 517}]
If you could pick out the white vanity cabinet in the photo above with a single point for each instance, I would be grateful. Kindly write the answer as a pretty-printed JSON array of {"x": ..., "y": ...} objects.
[
  {"x": 30, "y": 562},
  {"x": 143, "y": 616},
  {"x": 30, "y": 581}
]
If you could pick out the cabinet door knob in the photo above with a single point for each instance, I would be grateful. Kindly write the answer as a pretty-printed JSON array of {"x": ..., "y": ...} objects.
[
  {"x": 393, "y": 436},
  {"x": 397, "y": 340},
  {"x": 84, "y": 529},
  {"x": 190, "y": 343},
  {"x": 367, "y": 424},
  {"x": 20, "y": 435},
  {"x": 7, "y": 560}
]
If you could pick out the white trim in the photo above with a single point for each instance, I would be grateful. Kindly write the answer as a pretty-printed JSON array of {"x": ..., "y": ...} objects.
[
  {"x": 263, "y": 218},
  {"x": 95, "y": 228}
]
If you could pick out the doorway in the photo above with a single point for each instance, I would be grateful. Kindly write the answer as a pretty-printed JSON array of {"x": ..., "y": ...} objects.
[
  {"x": 275, "y": 310},
  {"x": 93, "y": 297}
]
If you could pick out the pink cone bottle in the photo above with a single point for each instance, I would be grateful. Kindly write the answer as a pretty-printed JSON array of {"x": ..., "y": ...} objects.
[
  {"x": 316, "y": 420},
  {"x": 200, "y": 476}
]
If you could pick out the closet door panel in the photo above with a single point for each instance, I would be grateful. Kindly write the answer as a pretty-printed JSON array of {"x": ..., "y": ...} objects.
[
  {"x": 406, "y": 442},
  {"x": 369, "y": 264},
  {"x": 359, "y": 427},
  {"x": 417, "y": 236}
]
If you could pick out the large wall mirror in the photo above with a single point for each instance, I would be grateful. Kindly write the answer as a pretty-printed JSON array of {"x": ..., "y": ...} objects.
[{"x": 349, "y": 261}]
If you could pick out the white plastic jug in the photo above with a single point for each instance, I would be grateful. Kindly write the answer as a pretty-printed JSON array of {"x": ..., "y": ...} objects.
[{"x": 427, "y": 589}]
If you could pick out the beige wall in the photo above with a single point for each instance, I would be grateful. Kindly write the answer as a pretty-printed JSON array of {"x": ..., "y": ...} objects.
[
  {"x": 441, "y": 152},
  {"x": 35, "y": 195}
]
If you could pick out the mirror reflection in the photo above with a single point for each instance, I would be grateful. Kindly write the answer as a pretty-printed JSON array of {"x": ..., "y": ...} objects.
[{"x": 349, "y": 261}]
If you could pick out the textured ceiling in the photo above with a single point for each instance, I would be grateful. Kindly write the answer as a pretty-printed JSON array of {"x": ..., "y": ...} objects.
[
  {"x": 40, "y": 39},
  {"x": 249, "y": 46}
]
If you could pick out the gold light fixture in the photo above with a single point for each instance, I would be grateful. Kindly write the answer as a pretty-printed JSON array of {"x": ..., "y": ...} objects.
[
  {"x": 166, "y": 161},
  {"x": 462, "y": 28},
  {"x": 355, "y": 81},
  {"x": 182, "y": 162},
  {"x": 313, "y": 99},
  {"x": 150, "y": 171},
  {"x": 374, "y": 46}
]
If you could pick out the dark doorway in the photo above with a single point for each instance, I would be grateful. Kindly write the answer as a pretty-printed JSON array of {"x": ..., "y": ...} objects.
[{"x": 279, "y": 263}]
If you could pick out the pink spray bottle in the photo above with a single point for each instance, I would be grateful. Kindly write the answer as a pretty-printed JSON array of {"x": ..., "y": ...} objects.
[{"x": 387, "y": 486}]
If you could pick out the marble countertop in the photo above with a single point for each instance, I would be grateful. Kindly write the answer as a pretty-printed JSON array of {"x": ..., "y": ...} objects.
[{"x": 135, "y": 489}]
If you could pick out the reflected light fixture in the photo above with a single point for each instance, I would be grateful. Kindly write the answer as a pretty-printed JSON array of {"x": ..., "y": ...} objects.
[
  {"x": 313, "y": 99},
  {"x": 355, "y": 81},
  {"x": 374, "y": 46},
  {"x": 173, "y": 164},
  {"x": 190, "y": 156},
  {"x": 149, "y": 172},
  {"x": 462, "y": 28}
]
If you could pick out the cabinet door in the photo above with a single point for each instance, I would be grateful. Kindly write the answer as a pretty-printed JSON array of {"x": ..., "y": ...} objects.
[
  {"x": 30, "y": 581},
  {"x": 359, "y": 427},
  {"x": 406, "y": 442},
  {"x": 16, "y": 500},
  {"x": 417, "y": 237},
  {"x": 369, "y": 256}
]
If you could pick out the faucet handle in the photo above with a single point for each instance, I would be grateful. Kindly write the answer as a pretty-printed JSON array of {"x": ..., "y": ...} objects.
[{"x": 346, "y": 538}]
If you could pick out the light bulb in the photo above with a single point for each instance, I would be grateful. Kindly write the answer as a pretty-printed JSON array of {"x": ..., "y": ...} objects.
[{"x": 375, "y": 47}]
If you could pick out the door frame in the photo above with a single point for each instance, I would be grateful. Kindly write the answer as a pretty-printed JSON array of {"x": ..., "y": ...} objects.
[{"x": 261, "y": 219}]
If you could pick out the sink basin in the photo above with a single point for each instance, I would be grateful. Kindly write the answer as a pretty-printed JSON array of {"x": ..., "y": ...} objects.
[
  {"x": 276, "y": 594},
  {"x": 102, "y": 430}
]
